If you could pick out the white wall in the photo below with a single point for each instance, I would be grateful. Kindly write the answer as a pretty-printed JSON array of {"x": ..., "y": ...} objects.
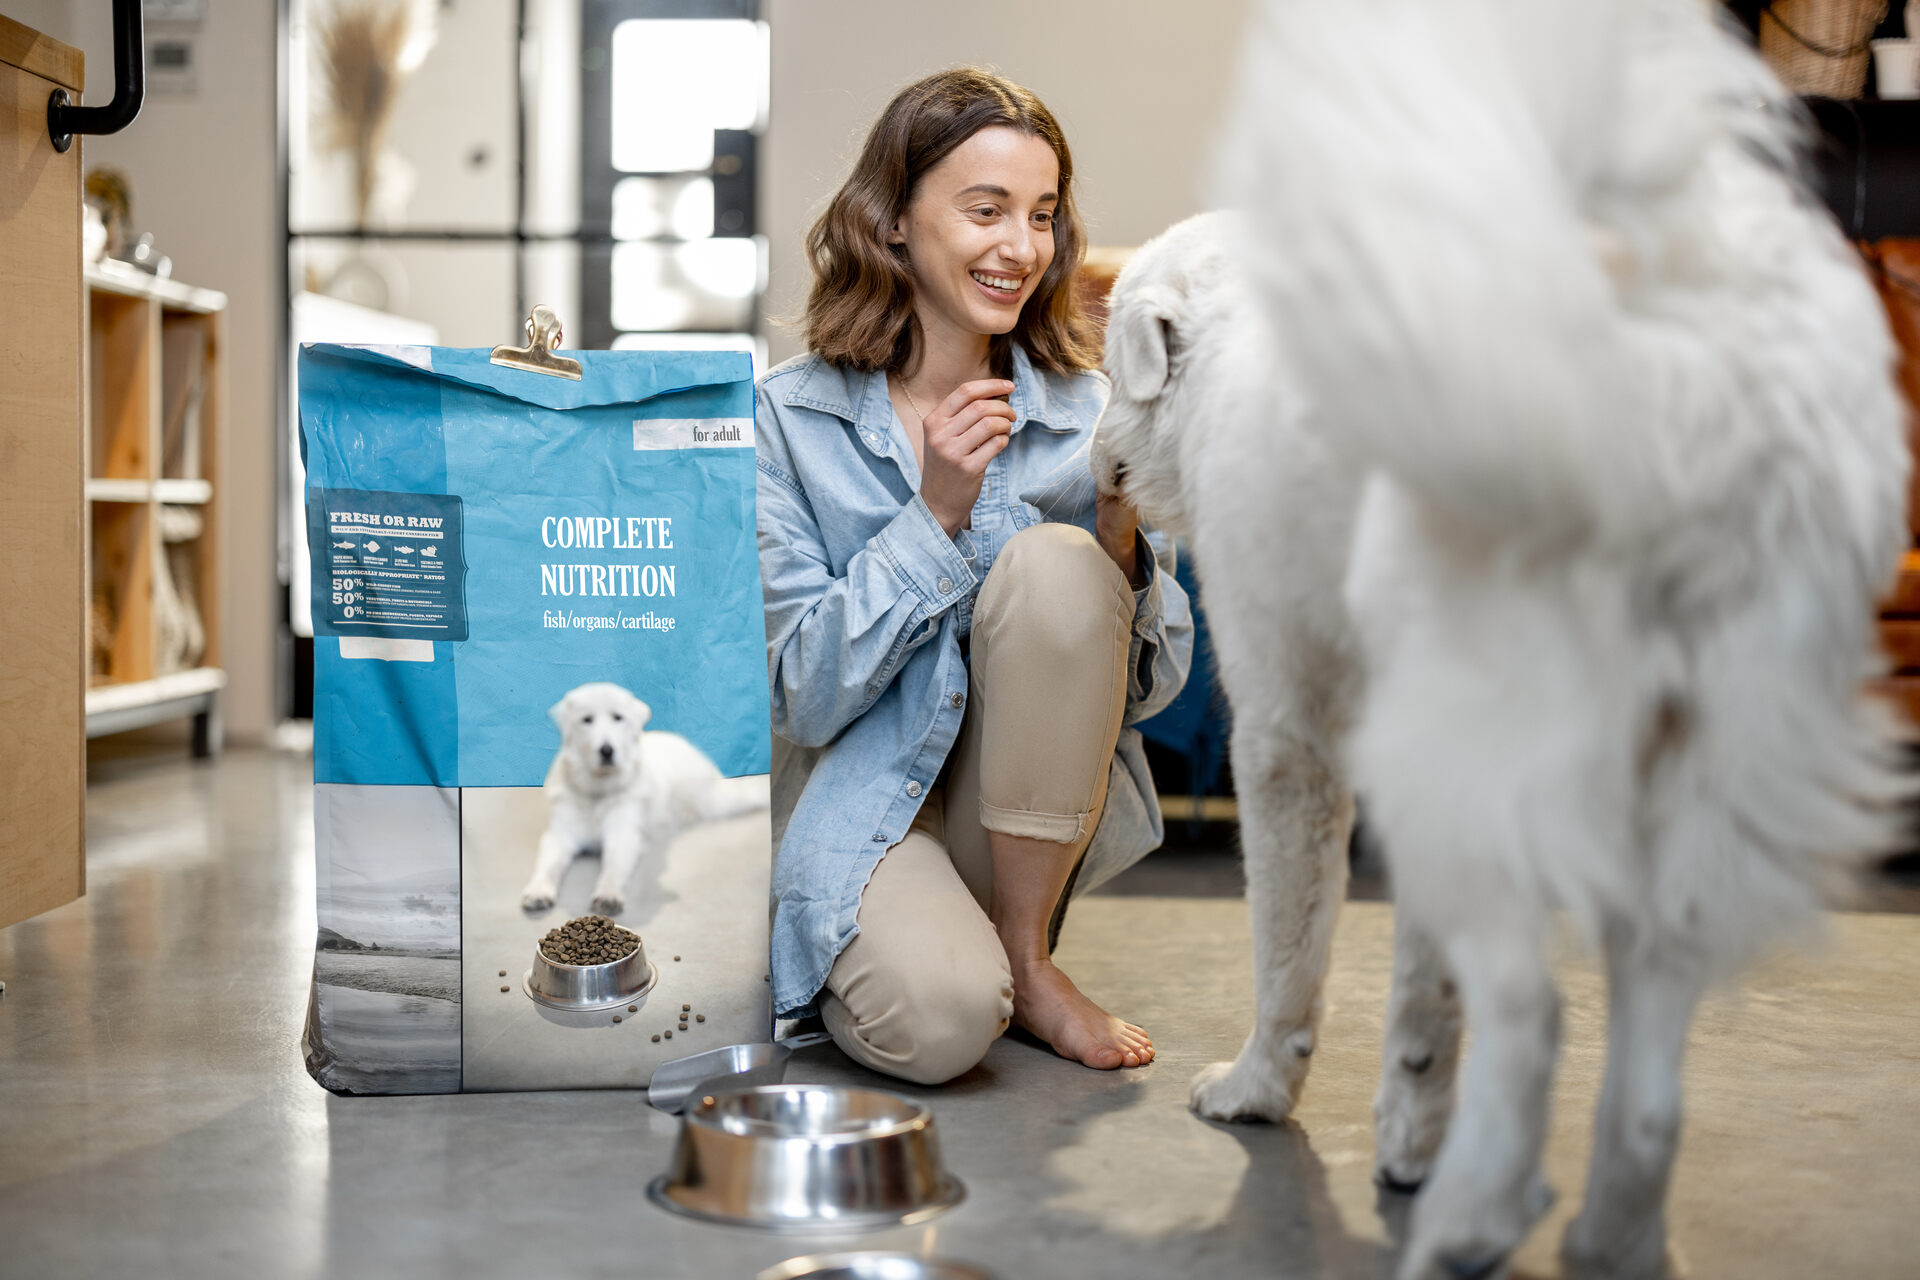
[
  {"x": 203, "y": 178},
  {"x": 1138, "y": 86}
]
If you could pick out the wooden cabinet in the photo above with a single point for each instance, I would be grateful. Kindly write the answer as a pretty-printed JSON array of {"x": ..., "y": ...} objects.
[{"x": 42, "y": 507}]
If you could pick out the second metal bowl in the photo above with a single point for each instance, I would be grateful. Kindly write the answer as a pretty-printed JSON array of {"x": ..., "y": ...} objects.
[
  {"x": 807, "y": 1157},
  {"x": 590, "y": 987},
  {"x": 872, "y": 1266}
]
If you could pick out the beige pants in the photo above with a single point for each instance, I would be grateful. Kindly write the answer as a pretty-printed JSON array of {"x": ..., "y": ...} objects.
[{"x": 924, "y": 988}]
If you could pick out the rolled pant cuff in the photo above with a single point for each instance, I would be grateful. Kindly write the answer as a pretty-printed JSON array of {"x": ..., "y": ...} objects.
[{"x": 1060, "y": 828}]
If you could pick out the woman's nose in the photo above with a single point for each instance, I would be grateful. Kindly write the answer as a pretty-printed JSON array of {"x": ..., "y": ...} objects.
[{"x": 1018, "y": 247}]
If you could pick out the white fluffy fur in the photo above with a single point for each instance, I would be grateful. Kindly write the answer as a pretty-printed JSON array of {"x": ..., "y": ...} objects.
[
  {"x": 622, "y": 789},
  {"x": 1605, "y": 404}
]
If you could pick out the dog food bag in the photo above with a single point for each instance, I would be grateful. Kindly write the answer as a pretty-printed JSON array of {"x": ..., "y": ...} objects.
[{"x": 540, "y": 718}]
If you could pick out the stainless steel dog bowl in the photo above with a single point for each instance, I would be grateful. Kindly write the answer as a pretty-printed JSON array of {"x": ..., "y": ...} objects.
[
  {"x": 590, "y": 987},
  {"x": 807, "y": 1157},
  {"x": 872, "y": 1266}
]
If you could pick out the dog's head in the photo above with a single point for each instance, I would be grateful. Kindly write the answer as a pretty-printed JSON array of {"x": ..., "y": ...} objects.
[
  {"x": 1161, "y": 304},
  {"x": 600, "y": 727}
]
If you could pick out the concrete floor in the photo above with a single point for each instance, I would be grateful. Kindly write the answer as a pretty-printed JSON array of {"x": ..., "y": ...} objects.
[{"x": 155, "y": 1118}]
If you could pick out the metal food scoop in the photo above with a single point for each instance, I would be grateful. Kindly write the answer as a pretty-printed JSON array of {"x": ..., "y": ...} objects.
[{"x": 738, "y": 1066}]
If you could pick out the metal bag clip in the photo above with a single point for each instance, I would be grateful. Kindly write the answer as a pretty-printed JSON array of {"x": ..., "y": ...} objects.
[{"x": 543, "y": 339}]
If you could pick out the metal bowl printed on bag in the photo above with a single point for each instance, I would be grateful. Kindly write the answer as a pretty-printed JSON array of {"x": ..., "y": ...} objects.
[
  {"x": 872, "y": 1266},
  {"x": 590, "y": 988},
  {"x": 807, "y": 1157}
]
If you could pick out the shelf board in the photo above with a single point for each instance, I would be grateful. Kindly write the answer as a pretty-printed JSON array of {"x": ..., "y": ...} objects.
[
  {"x": 112, "y": 708},
  {"x": 99, "y": 490},
  {"x": 183, "y": 492},
  {"x": 115, "y": 277}
]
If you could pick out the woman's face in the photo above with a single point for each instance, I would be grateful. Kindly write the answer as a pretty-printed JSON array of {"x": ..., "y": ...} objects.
[{"x": 979, "y": 231}]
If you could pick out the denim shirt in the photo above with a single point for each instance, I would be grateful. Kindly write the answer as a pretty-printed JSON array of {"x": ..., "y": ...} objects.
[{"x": 867, "y": 600}]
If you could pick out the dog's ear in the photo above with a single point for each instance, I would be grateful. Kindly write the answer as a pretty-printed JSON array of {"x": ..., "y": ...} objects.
[
  {"x": 1141, "y": 337},
  {"x": 559, "y": 711},
  {"x": 639, "y": 710}
]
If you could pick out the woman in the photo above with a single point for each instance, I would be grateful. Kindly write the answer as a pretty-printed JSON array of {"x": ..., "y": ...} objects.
[{"x": 950, "y": 674}]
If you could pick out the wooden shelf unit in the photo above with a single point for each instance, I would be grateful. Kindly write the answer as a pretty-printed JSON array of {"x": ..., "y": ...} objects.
[{"x": 156, "y": 352}]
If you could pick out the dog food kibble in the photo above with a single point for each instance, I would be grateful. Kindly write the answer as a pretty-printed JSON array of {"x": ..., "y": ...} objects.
[
  {"x": 686, "y": 1008},
  {"x": 588, "y": 940},
  {"x": 676, "y": 957},
  {"x": 656, "y": 1037},
  {"x": 669, "y": 1035},
  {"x": 699, "y": 1017},
  {"x": 503, "y": 973},
  {"x": 506, "y": 988},
  {"x": 633, "y": 1008},
  {"x": 616, "y": 1017}
]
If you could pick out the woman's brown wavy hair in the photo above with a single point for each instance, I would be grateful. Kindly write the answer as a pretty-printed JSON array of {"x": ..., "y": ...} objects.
[{"x": 860, "y": 312}]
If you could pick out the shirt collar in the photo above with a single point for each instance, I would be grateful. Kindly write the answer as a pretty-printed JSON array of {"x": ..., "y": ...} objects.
[{"x": 861, "y": 399}]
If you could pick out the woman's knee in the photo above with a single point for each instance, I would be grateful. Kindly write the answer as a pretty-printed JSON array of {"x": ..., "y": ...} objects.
[
  {"x": 938, "y": 1025},
  {"x": 1056, "y": 581}
]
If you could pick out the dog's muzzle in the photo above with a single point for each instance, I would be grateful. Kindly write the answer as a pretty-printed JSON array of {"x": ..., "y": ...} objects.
[{"x": 606, "y": 754}]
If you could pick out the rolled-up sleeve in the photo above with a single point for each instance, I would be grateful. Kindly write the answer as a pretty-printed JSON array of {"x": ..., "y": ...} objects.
[
  {"x": 836, "y": 640},
  {"x": 1160, "y": 651}
]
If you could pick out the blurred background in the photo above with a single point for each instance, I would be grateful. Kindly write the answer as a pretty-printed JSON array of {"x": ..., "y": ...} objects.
[{"x": 425, "y": 170}]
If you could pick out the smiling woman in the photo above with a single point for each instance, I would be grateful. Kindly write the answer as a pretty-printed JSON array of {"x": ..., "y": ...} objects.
[
  {"x": 951, "y": 676},
  {"x": 861, "y": 312}
]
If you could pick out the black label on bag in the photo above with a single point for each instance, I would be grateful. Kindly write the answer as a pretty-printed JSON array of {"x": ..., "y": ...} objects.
[{"x": 387, "y": 564}]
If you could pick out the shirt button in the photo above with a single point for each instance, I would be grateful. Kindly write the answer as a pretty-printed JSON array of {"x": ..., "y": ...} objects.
[
  {"x": 879, "y": 835},
  {"x": 945, "y": 585},
  {"x": 958, "y": 700},
  {"x": 913, "y": 788}
]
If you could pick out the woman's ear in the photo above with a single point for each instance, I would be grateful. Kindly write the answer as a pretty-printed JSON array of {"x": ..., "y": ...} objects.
[{"x": 1140, "y": 338}]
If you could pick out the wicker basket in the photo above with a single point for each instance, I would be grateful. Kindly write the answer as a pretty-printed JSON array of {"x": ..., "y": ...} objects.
[{"x": 1820, "y": 46}]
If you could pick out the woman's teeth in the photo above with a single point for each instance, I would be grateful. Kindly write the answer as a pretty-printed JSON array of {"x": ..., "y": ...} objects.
[{"x": 1004, "y": 284}]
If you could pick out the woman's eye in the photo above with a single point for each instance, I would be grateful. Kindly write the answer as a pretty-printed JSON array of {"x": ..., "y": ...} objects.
[
  {"x": 1044, "y": 219},
  {"x": 986, "y": 211}
]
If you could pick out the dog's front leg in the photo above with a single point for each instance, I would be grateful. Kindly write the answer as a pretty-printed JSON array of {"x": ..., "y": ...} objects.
[
  {"x": 624, "y": 841},
  {"x": 557, "y": 848},
  {"x": 1296, "y": 815},
  {"x": 1486, "y": 1190},
  {"x": 1418, "y": 1060}
]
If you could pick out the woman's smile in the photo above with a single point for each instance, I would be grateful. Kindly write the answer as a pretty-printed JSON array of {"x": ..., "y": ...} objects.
[{"x": 1002, "y": 289}]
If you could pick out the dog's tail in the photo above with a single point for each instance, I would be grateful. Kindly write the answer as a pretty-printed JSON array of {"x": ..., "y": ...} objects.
[
  {"x": 1466, "y": 207},
  {"x": 731, "y": 797}
]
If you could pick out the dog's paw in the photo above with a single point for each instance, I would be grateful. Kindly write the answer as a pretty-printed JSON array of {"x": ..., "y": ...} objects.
[
  {"x": 1410, "y": 1115},
  {"x": 608, "y": 904},
  {"x": 532, "y": 899},
  {"x": 1458, "y": 1237},
  {"x": 1233, "y": 1091}
]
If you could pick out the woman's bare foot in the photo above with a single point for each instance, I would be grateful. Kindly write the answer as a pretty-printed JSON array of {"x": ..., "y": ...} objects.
[{"x": 1047, "y": 1004}]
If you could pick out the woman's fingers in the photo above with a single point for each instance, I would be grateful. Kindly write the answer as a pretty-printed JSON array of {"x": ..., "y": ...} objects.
[
  {"x": 988, "y": 427},
  {"x": 966, "y": 392},
  {"x": 963, "y": 421}
]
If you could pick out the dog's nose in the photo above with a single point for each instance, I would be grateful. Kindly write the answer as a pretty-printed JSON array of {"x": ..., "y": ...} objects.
[{"x": 606, "y": 753}]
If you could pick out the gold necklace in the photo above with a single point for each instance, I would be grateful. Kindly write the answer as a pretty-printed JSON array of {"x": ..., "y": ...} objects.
[{"x": 916, "y": 406}]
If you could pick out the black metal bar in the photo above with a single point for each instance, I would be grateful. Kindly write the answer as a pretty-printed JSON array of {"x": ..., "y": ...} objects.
[
  {"x": 521, "y": 304},
  {"x": 129, "y": 85}
]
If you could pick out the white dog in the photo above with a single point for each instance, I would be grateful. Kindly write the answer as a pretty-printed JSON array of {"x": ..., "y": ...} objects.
[
  {"x": 623, "y": 789},
  {"x": 1607, "y": 405}
]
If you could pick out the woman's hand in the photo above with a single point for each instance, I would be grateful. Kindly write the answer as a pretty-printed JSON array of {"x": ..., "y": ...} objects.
[
  {"x": 1114, "y": 523},
  {"x": 963, "y": 435}
]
